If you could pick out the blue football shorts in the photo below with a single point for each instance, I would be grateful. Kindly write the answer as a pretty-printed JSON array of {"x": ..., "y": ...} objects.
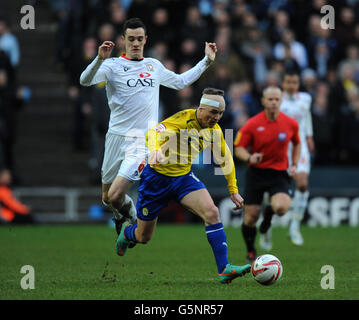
[{"x": 156, "y": 190}]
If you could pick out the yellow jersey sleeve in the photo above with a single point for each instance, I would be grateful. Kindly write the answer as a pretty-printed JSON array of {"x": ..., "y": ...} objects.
[{"x": 223, "y": 157}]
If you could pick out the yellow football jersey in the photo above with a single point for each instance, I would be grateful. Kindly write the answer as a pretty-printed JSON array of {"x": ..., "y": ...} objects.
[{"x": 181, "y": 138}]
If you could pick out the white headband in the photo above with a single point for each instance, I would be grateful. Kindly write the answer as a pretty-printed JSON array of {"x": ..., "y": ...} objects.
[{"x": 210, "y": 102}]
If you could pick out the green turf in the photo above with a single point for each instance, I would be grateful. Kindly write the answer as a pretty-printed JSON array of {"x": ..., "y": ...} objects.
[{"x": 79, "y": 262}]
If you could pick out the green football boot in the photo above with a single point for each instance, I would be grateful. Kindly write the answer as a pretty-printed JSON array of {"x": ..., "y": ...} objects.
[
  {"x": 231, "y": 272},
  {"x": 122, "y": 243}
]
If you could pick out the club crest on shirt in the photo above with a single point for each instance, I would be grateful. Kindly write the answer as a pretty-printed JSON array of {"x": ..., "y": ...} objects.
[
  {"x": 282, "y": 136},
  {"x": 149, "y": 67}
]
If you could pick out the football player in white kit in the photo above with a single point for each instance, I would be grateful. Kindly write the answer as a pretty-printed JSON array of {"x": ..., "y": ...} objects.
[
  {"x": 132, "y": 87},
  {"x": 297, "y": 105}
]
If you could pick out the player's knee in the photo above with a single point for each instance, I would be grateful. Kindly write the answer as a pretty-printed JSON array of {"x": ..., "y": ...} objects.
[
  {"x": 302, "y": 187},
  {"x": 250, "y": 220},
  {"x": 212, "y": 215},
  {"x": 251, "y": 216},
  {"x": 115, "y": 197},
  {"x": 281, "y": 209}
]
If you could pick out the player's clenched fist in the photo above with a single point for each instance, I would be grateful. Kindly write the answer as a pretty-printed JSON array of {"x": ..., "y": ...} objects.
[
  {"x": 105, "y": 49},
  {"x": 210, "y": 50}
]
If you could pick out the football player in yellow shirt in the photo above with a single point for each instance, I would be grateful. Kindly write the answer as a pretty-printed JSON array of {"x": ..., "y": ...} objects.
[{"x": 174, "y": 144}]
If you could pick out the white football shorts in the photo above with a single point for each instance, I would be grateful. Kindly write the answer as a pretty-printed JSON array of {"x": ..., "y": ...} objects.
[
  {"x": 124, "y": 156},
  {"x": 304, "y": 159}
]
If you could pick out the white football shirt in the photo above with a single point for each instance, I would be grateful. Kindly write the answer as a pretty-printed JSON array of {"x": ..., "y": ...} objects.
[
  {"x": 133, "y": 89},
  {"x": 298, "y": 107}
]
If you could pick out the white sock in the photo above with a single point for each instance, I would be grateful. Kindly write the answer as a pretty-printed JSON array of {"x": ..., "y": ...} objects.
[
  {"x": 129, "y": 208},
  {"x": 113, "y": 209},
  {"x": 300, "y": 202},
  {"x": 128, "y": 201}
]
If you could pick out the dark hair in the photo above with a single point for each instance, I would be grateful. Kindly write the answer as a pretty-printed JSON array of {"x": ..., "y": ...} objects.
[
  {"x": 133, "y": 23},
  {"x": 290, "y": 72},
  {"x": 214, "y": 91}
]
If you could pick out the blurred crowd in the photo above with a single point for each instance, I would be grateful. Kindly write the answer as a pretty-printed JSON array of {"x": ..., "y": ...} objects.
[
  {"x": 256, "y": 41},
  {"x": 12, "y": 98}
]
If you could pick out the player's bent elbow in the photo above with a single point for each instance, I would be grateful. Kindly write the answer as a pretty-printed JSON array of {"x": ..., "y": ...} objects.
[{"x": 84, "y": 83}]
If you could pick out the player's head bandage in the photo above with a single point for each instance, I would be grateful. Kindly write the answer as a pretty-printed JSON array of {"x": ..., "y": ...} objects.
[{"x": 212, "y": 101}]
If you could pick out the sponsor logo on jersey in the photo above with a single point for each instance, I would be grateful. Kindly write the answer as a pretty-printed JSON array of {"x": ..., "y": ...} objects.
[
  {"x": 260, "y": 129},
  {"x": 144, "y": 82},
  {"x": 282, "y": 136},
  {"x": 144, "y": 75},
  {"x": 126, "y": 69},
  {"x": 161, "y": 127}
]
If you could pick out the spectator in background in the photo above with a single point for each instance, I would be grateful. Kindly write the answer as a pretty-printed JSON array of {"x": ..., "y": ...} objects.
[
  {"x": 141, "y": 9},
  {"x": 309, "y": 81},
  {"x": 257, "y": 49},
  {"x": 99, "y": 115},
  {"x": 344, "y": 29},
  {"x": 323, "y": 124},
  {"x": 349, "y": 130},
  {"x": 106, "y": 33},
  {"x": 189, "y": 51},
  {"x": 228, "y": 67},
  {"x": 7, "y": 110},
  {"x": 160, "y": 30},
  {"x": 159, "y": 51},
  {"x": 356, "y": 35},
  {"x": 185, "y": 98},
  {"x": 9, "y": 43},
  {"x": 117, "y": 16},
  {"x": 220, "y": 16},
  {"x": 322, "y": 50},
  {"x": 81, "y": 96},
  {"x": 176, "y": 29},
  {"x": 168, "y": 104},
  {"x": 297, "y": 50},
  {"x": 352, "y": 60},
  {"x": 195, "y": 27},
  {"x": 9, "y": 205},
  {"x": 321, "y": 59},
  {"x": 279, "y": 26},
  {"x": 237, "y": 114},
  {"x": 119, "y": 48}
]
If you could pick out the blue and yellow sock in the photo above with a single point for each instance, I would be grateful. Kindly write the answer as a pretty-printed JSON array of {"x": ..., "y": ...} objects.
[
  {"x": 218, "y": 241},
  {"x": 130, "y": 233}
]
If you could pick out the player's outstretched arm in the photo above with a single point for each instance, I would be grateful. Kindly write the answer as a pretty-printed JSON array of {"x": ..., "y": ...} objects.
[{"x": 95, "y": 72}]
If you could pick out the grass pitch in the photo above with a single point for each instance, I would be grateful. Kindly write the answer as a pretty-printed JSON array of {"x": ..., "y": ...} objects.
[{"x": 79, "y": 262}]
